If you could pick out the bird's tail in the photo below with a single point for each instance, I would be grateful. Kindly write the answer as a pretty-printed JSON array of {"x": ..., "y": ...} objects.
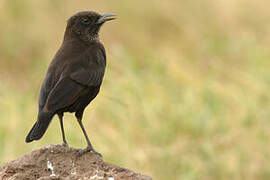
[{"x": 39, "y": 127}]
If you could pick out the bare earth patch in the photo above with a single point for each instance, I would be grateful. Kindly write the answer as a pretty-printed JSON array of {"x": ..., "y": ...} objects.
[{"x": 58, "y": 162}]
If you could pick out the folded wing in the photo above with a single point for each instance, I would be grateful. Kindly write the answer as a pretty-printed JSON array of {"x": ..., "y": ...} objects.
[{"x": 69, "y": 87}]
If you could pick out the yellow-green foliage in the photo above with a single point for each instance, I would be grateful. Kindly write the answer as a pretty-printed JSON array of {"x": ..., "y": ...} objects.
[{"x": 186, "y": 94}]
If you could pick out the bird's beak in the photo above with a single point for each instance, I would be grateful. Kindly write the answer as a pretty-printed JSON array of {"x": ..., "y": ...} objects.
[{"x": 106, "y": 17}]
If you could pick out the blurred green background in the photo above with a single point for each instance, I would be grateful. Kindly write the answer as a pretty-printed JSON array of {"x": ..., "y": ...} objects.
[{"x": 186, "y": 94}]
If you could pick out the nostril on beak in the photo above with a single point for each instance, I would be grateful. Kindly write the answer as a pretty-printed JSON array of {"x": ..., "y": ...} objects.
[{"x": 106, "y": 17}]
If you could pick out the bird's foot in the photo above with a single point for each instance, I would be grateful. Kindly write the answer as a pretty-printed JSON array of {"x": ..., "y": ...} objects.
[
  {"x": 88, "y": 149},
  {"x": 65, "y": 144}
]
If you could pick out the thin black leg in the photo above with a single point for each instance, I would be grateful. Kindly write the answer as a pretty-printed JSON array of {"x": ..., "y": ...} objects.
[
  {"x": 62, "y": 129},
  {"x": 89, "y": 145}
]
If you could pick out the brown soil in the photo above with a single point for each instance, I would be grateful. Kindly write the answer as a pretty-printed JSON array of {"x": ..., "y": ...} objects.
[{"x": 58, "y": 162}]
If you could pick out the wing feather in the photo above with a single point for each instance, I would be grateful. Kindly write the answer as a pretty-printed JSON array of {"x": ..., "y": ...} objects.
[{"x": 69, "y": 87}]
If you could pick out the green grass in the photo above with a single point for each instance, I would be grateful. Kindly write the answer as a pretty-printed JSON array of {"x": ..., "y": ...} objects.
[{"x": 185, "y": 95}]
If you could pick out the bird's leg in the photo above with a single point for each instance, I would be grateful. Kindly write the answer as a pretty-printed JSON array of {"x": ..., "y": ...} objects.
[
  {"x": 60, "y": 115},
  {"x": 89, "y": 145}
]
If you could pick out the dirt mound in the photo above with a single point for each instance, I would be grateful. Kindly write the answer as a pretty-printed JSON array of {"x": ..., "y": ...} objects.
[{"x": 58, "y": 162}]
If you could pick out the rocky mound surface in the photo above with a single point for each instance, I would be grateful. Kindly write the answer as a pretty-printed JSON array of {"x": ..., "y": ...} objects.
[{"x": 58, "y": 162}]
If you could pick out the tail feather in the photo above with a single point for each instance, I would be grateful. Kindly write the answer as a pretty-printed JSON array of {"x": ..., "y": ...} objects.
[{"x": 39, "y": 127}]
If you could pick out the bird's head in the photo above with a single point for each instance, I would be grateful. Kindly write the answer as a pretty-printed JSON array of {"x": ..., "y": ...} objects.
[{"x": 86, "y": 24}]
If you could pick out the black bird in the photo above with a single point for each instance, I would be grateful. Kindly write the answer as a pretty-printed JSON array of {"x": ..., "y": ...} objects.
[{"x": 74, "y": 76}]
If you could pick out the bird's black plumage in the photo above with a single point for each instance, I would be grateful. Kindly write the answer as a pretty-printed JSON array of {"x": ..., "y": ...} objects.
[{"x": 75, "y": 74}]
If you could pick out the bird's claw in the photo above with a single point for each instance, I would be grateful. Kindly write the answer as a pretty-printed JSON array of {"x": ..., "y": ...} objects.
[
  {"x": 88, "y": 149},
  {"x": 65, "y": 144}
]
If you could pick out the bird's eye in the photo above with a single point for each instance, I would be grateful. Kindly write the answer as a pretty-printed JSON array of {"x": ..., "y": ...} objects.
[{"x": 85, "y": 20}]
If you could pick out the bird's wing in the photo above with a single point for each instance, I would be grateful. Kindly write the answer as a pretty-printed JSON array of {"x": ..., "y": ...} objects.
[
  {"x": 65, "y": 93},
  {"x": 47, "y": 85},
  {"x": 70, "y": 86}
]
